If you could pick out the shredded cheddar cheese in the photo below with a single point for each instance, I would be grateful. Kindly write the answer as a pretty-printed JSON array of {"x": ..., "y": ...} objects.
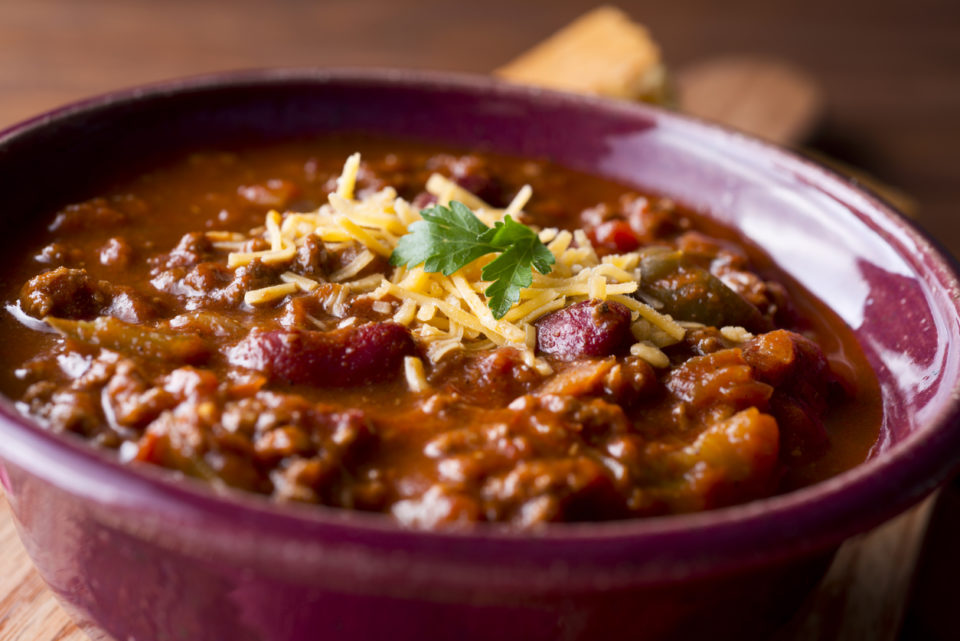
[
  {"x": 735, "y": 334},
  {"x": 362, "y": 259},
  {"x": 447, "y": 313},
  {"x": 650, "y": 353},
  {"x": 413, "y": 371},
  {"x": 304, "y": 283},
  {"x": 268, "y": 294},
  {"x": 348, "y": 179}
]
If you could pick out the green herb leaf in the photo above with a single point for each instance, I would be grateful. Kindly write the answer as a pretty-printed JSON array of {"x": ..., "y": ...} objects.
[
  {"x": 510, "y": 271},
  {"x": 444, "y": 241},
  {"x": 449, "y": 238}
]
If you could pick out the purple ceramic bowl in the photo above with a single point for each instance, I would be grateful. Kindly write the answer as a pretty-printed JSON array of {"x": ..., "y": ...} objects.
[{"x": 137, "y": 554}]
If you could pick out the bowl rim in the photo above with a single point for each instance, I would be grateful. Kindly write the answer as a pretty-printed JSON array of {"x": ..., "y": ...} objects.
[{"x": 777, "y": 528}]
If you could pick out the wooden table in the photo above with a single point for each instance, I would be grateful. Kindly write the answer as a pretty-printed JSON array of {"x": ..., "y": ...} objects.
[{"x": 890, "y": 70}]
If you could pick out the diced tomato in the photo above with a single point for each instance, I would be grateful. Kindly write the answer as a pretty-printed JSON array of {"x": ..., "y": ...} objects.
[{"x": 617, "y": 236}]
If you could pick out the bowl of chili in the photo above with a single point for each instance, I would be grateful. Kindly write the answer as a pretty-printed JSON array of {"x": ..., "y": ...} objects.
[{"x": 139, "y": 553}]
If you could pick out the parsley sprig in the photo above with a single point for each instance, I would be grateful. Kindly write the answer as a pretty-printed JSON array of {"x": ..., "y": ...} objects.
[{"x": 449, "y": 238}]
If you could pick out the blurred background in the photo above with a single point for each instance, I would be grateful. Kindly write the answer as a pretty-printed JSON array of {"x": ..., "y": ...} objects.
[{"x": 887, "y": 71}]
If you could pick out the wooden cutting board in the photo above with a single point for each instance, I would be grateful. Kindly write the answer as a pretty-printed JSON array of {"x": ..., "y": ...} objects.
[
  {"x": 28, "y": 610},
  {"x": 864, "y": 593}
]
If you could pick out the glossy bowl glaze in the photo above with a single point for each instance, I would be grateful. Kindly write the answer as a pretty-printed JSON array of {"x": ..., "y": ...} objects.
[{"x": 137, "y": 554}]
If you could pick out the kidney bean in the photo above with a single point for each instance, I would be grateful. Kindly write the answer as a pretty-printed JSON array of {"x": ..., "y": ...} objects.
[
  {"x": 588, "y": 328},
  {"x": 340, "y": 358}
]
